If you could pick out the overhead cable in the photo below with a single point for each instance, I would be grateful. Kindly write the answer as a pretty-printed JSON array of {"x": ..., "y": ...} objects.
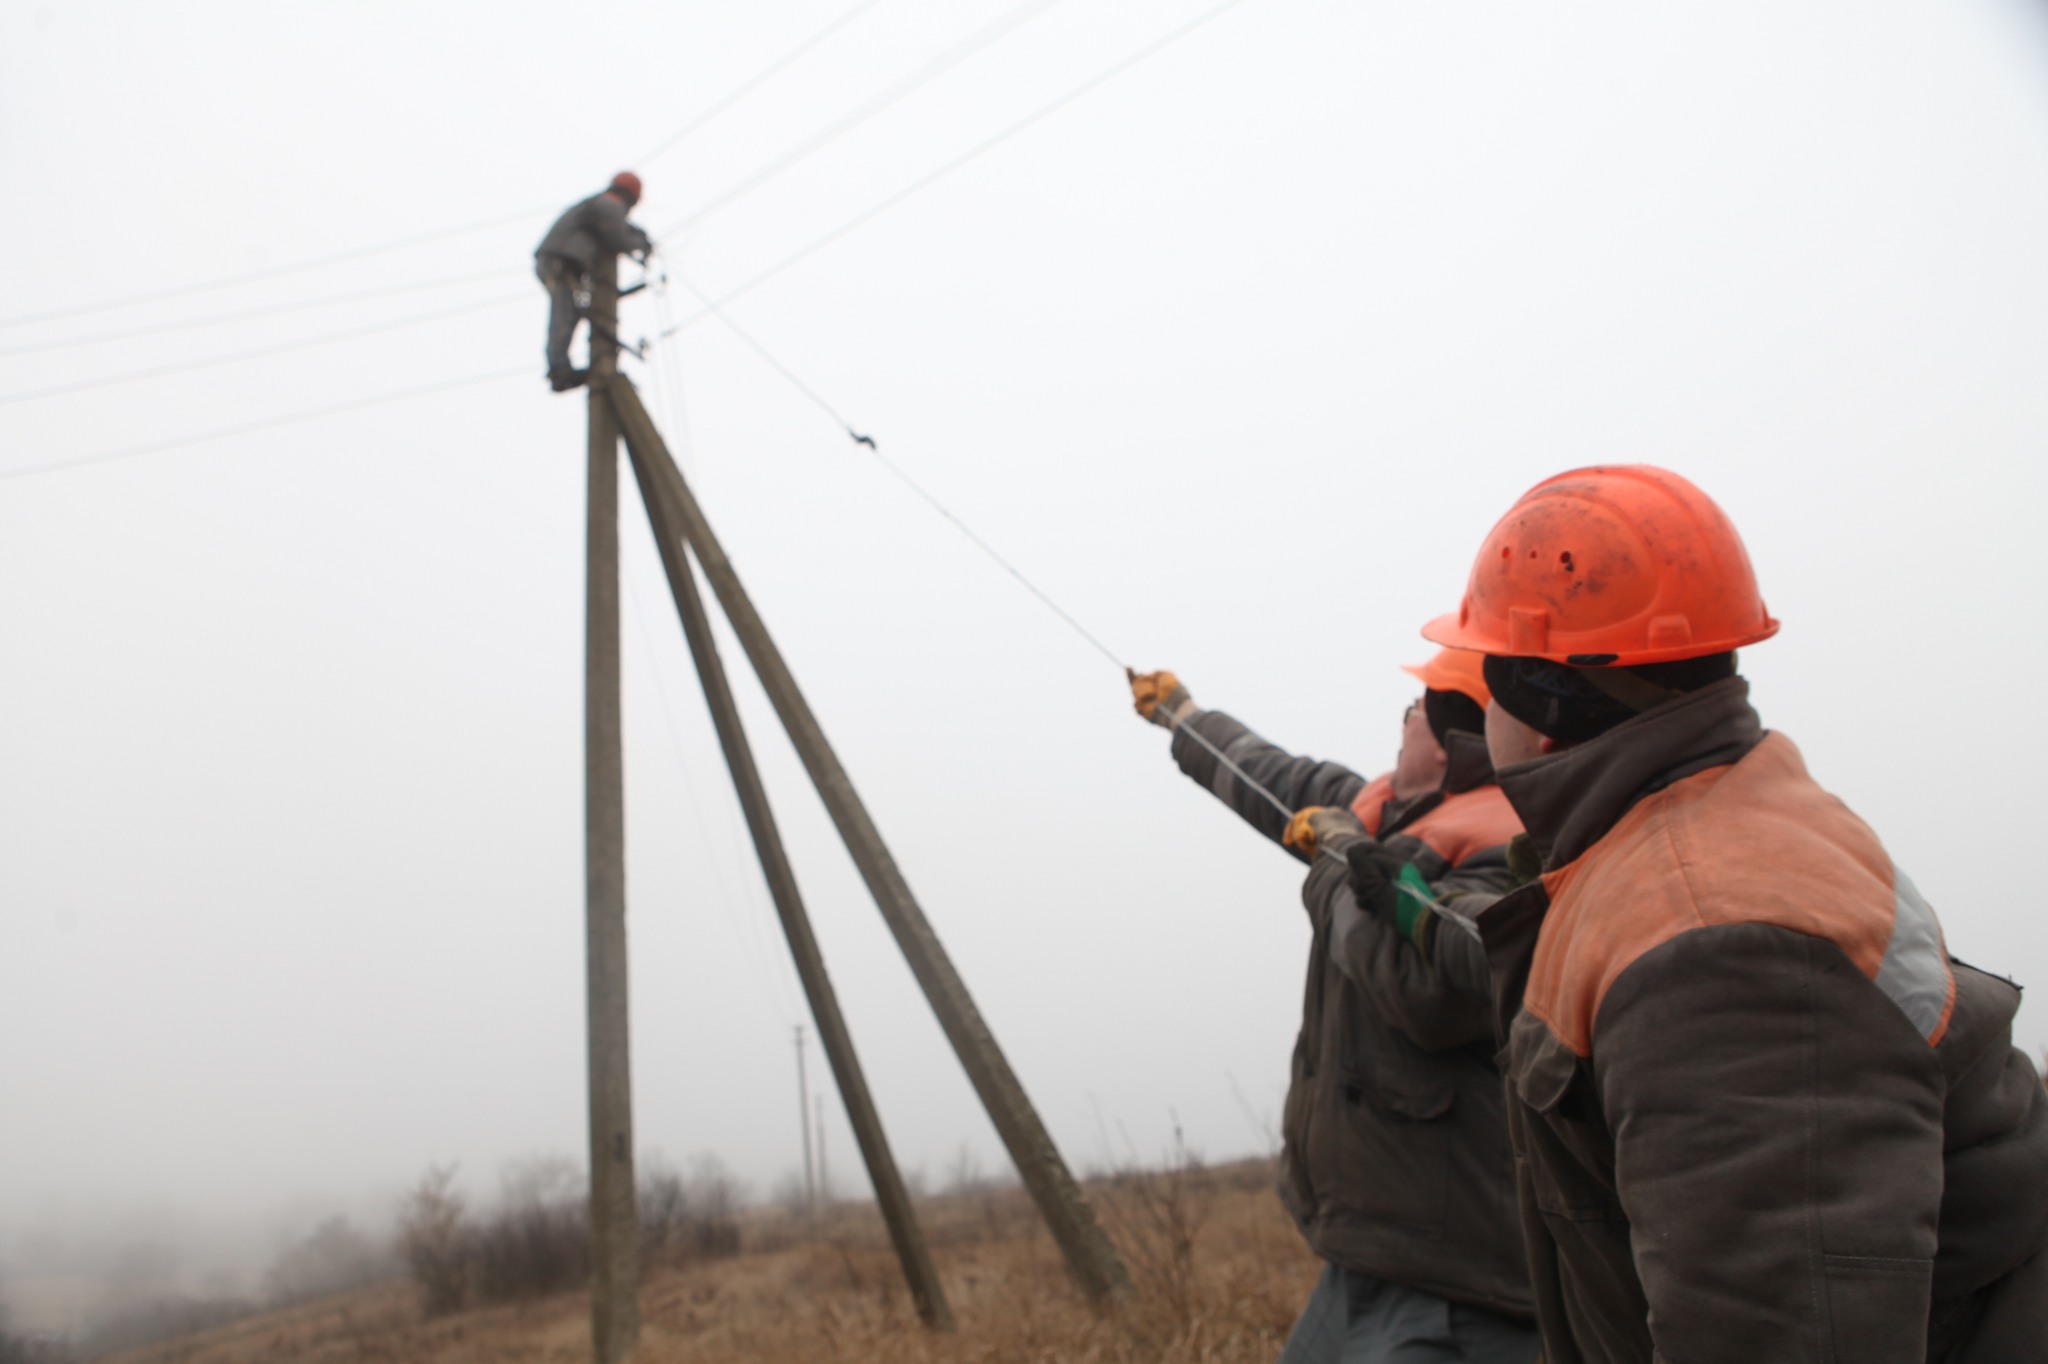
[
  {"x": 874, "y": 211},
  {"x": 265, "y": 424},
  {"x": 275, "y": 271},
  {"x": 1002, "y": 26},
  {"x": 995, "y": 555},
  {"x": 758, "y": 79},
  {"x": 259, "y": 352},
  {"x": 1201, "y": 740},
  {"x": 269, "y": 310}
]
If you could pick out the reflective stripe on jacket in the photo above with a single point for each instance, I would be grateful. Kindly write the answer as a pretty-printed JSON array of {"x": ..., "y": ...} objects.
[
  {"x": 1761, "y": 1115},
  {"x": 1395, "y": 1161}
]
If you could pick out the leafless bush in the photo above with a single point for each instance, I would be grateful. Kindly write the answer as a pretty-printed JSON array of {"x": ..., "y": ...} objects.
[
  {"x": 157, "y": 1319},
  {"x": 693, "y": 1216},
  {"x": 24, "y": 1349},
  {"x": 964, "y": 1174},
  {"x": 532, "y": 1249},
  {"x": 334, "y": 1258},
  {"x": 434, "y": 1240},
  {"x": 1160, "y": 1213}
]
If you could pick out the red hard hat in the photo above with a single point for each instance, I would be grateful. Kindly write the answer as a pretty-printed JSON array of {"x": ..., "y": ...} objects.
[
  {"x": 1621, "y": 565},
  {"x": 627, "y": 181},
  {"x": 1458, "y": 670}
]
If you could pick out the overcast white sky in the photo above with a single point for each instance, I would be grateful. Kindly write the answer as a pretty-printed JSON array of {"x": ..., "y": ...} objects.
[{"x": 1240, "y": 355}]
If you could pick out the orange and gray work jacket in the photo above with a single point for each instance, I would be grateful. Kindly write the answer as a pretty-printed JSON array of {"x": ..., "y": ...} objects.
[
  {"x": 1761, "y": 1114},
  {"x": 1395, "y": 1160}
]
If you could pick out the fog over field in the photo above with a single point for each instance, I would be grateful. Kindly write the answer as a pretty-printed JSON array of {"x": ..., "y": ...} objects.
[{"x": 1238, "y": 355}]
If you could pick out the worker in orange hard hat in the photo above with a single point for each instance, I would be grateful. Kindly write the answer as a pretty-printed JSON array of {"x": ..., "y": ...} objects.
[
  {"x": 1760, "y": 1113},
  {"x": 565, "y": 256},
  {"x": 1395, "y": 1161}
]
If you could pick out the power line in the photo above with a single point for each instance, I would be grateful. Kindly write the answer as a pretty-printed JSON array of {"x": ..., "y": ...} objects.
[
  {"x": 274, "y": 271},
  {"x": 876, "y": 210},
  {"x": 267, "y": 423},
  {"x": 269, "y": 310},
  {"x": 1006, "y": 23},
  {"x": 758, "y": 79},
  {"x": 259, "y": 352}
]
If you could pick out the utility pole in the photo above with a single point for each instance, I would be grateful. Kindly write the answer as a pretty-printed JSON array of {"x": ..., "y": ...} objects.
[
  {"x": 614, "y": 1220},
  {"x": 803, "y": 1125},
  {"x": 891, "y": 1193},
  {"x": 1090, "y": 1257},
  {"x": 824, "y": 1180}
]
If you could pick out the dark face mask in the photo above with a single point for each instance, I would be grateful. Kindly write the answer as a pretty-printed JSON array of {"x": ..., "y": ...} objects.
[{"x": 1563, "y": 703}]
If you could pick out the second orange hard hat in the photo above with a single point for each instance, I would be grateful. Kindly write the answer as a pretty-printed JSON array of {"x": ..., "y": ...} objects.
[
  {"x": 1611, "y": 566},
  {"x": 1458, "y": 670}
]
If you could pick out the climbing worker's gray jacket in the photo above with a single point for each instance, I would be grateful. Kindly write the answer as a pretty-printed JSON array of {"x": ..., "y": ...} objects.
[
  {"x": 1761, "y": 1115},
  {"x": 598, "y": 223},
  {"x": 1395, "y": 1161}
]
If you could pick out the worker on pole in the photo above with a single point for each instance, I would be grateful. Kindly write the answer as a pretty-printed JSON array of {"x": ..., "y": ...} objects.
[
  {"x": 1760, "y": 1114},
  {"x": 1395, "y": 1162},
  {"x": 564, "y": 258}
]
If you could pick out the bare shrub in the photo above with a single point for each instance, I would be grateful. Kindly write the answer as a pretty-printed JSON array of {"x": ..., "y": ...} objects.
[
  {"x": 1160, "y": 1213},
  {"x": 693, "y": 1216},
  {"x": 537, "y": 1240},
  {"x": 333, "y": 1258},
  {"x": 964, "y": 1174},
  {"x": 434, "y": 1240},
  {"x": 25, "y": 1349},
  {"x": 157, "y": 1319}
]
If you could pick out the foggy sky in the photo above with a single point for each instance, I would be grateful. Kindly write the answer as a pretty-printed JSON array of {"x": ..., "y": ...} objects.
[{"x": 1239, "y": 356}]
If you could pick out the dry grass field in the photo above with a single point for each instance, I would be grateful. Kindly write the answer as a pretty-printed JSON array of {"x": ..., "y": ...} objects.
[{"x": 1219, "y": 1275}]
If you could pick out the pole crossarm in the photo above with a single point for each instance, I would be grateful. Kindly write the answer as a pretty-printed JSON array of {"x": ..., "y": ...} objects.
[
  {"x": 890, "y": 1191},
  {"x": 1090, "y": 1257}
]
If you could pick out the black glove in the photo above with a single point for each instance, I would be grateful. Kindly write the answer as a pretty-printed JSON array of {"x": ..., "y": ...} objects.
[{"x": 1386, "y": 884}]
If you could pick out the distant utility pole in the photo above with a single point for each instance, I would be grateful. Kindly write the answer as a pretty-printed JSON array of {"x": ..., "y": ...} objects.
[
  {"x": 803, "y": 1124},
  {"x": 614, "y": 1219},
  {"x": 824, "y": 1180}
]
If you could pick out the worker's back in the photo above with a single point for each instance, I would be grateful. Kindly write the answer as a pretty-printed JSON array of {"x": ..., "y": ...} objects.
[{"x": 595, "y": 223}]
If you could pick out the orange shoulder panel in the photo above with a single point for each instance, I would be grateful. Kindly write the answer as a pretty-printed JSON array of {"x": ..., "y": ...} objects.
[
  {"x": 1370, "y": 805},
  {"x": 1754, "y": 842},
  {"x": 1467, "y": 823}
]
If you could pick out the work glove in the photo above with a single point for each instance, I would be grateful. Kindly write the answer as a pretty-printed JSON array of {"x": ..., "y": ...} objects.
[
  {"x": 1160, "y": 697},
  {"x": 1385, "y": 884},
  {"x": 1323, "y": 828}
]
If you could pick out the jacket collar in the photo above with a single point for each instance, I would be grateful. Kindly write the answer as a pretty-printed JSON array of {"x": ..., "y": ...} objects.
[
  {"x": 1569, "y": 800},
  {"x": 1468, "y": 766}
]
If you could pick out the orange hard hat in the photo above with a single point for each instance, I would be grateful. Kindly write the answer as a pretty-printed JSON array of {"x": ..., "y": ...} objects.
[
  {"x": 1622, "y": 564},
  {"x": 1458, "y": 670},
  {"x": 628, "y": 182}
]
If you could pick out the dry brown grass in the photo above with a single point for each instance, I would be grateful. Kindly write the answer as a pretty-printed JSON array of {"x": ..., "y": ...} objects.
[{"x": 1235, "y": 1274}]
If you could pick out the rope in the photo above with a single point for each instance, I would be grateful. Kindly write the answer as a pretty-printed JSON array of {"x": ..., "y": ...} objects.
[{"x": 1253, "y": 784}]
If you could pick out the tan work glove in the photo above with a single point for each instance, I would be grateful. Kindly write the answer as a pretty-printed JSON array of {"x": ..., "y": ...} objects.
[
  {"x": 1160, "y": 697},
  {"x": 1323, "y": 828}
]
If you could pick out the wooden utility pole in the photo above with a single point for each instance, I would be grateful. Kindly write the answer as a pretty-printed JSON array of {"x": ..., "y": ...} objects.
[
  {"x": 653, "y": 469},
  {"x": 614, "y": 1219},
  {"x": 1089, "y": 1255}
]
